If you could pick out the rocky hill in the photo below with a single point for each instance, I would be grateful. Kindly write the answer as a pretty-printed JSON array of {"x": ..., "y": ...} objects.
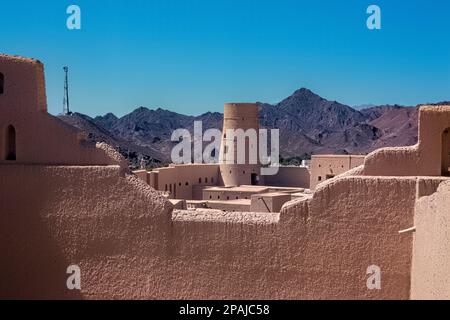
[{"x": 308, "y": 124}]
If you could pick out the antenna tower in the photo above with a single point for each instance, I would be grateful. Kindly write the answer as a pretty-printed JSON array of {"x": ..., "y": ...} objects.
[{"x": 66, "y": 109}]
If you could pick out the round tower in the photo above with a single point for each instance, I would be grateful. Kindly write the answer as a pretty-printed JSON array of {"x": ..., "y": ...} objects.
[{"x": 237, "y": 142}]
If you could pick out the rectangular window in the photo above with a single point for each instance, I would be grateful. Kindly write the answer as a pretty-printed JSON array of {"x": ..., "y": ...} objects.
[{"x": 2, "y": 82}]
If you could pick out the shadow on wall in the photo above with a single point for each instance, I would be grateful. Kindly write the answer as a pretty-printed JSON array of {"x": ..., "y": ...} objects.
[{"x": 33, "y": 265}]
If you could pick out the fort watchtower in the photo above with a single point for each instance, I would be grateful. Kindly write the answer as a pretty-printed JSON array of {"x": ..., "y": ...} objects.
[{"x": 240, "y": 118}]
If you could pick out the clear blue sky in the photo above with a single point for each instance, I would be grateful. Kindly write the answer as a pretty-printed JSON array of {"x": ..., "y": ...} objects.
[{"x": 191, "y": 56}]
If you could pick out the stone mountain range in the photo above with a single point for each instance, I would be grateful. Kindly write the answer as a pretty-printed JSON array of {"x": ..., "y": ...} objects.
[{"x": 308, "y": 124}]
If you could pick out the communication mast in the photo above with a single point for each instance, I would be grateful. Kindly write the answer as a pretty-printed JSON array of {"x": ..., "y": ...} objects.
[{"x": 66, "y": 109}]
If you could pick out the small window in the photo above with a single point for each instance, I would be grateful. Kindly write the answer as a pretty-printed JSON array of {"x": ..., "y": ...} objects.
[
  {"x": 2, "y": 82},
  {"x": 237, "y": 197},
  {"x": 10, "y": 151},
  {"x": 199, "y": 180},
  {"x": 206, "y": 180},
  {"x": 218, "y": 197},
  {"x": 179, "y": 184},
  {"x": 210, "y": 197},
  {"x": 228, "y": 198},
  {"x": 165, "y": 189},
  {"x": 243, "y": 172},
  {"x": 212, "y": 180},
  {"x": 319, "y": 178},
  {"x": 186, "y": 184}
]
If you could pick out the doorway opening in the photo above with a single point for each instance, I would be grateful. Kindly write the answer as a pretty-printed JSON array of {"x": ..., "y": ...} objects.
[{"x": 255, "y": 179}]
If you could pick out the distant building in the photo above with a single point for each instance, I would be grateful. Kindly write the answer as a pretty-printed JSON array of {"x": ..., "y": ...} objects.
[{"x": 324, "y": 167}]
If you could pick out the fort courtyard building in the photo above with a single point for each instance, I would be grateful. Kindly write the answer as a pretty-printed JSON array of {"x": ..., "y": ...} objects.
[
  {"x": 324, "y": 167},
  {"x": 65, "y": 202}
]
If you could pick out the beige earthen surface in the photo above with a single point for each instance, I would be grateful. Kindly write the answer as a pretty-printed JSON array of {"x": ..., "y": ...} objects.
[
  {"x": 96, "y": 217},
  {"x": 64, "y": 202},
  {"x": 120, "y": 232},
  {"x": 431, "y": 258},
  {"x": 429, "y": 157},
  {"x": 238, "y": 116},
  {"x": 39, "y": 137}
]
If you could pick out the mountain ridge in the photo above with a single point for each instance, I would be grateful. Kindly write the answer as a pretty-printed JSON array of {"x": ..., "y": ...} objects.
[{"x": 308, "y": 124}]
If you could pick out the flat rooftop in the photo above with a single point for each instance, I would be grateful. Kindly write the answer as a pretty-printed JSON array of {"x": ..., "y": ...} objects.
[
  {"x": 272, "y": 194},
  {"x": 235, "y": 201},
  {"x": 255, "y": 189},
  {"x": 338, "y": 156}
]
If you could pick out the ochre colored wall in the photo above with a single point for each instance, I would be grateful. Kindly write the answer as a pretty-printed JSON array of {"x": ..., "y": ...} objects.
[
  {"x": 40, "y": 137},
  {"x": 120, "y": 233},
  {"x": 181, "y": 178},
  {"x": 238, "y": 116},
  {"x": 351, "y": 223},
  {"x": 431, "y": 258},
  {"x": 224, "y": 194},
  {"x": 423, "y": 159},
  {"x": 332, "y": 165},
  {"x": 109, "y": 223},
  {"x": 289, "y": 177}
]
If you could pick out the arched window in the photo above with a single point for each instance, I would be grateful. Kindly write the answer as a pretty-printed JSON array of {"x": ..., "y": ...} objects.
[
  {"x": 10, "y": 143},
  {"x": 2, "y": 82},
  {"x": 199, "y": 180}
]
